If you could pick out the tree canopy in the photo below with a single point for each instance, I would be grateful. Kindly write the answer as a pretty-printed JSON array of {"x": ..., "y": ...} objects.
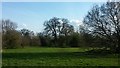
[{"x": 105, "y": 21}]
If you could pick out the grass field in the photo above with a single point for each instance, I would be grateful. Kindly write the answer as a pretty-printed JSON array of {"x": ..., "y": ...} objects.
[{"x": 56, "y": 57}]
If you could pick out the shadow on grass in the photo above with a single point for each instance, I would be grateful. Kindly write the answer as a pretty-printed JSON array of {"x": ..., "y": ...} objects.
[
  {"x": 64, "y": 55},
  {"x": 61, "y": 55}
]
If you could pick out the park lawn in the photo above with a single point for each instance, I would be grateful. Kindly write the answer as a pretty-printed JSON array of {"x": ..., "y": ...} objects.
[{"x": 35, "y": 56}]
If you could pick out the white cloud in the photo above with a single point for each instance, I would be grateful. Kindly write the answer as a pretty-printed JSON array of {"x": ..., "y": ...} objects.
[{"x": 76, "y": 22}]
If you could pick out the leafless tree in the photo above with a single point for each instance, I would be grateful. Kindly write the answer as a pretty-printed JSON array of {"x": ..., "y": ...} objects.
[{"x": 105, "y": 21}]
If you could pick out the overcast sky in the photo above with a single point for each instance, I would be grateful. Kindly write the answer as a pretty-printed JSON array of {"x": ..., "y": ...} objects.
[{"x": 31, "y": 15}]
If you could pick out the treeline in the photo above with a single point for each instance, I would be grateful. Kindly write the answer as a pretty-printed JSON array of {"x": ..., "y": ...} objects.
[
  {"x": 12, "y": 38},
  {"x": 101, "y": 28},
  {"x": 57, "y": 33}
]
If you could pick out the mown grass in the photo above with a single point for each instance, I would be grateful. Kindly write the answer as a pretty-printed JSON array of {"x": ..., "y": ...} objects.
[
  {"x": 43, "y": 50},
  {"x": 56, "y": 57}
]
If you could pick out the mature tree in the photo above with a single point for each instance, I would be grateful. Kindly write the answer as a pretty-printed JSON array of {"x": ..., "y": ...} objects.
[
  {"x": 104, "y": 21},
  {"x": 51, "y": 27},
  {"x": 56, "y": 27},
  {"x": 10, "y": 37}
]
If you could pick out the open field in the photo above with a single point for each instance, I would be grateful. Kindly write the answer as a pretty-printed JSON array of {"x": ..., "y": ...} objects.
[{"x": 56, "y": 57}]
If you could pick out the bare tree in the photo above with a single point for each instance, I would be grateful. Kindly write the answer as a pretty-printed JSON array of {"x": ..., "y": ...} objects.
[
  {"x": 8, "y": 25},
  {"x": 51, "y": 27},
  {"x": 10, "y": 37},
  {"x": 57, "y": 27},
  {"x": 105, "y": 22}
]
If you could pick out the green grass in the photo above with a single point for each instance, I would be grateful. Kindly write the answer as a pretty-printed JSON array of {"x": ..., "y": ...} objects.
[
  {"x": 43, "y": 50},
  {"x": 56, "y": 57}
]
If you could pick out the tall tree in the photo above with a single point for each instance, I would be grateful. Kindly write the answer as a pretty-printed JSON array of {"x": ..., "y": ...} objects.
[
  {"x": 105, "y": 22},
  {"x": 51, "y": 27},
  {"x": 58, "y": 26},
  {"x": 10, "y": 37}
]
